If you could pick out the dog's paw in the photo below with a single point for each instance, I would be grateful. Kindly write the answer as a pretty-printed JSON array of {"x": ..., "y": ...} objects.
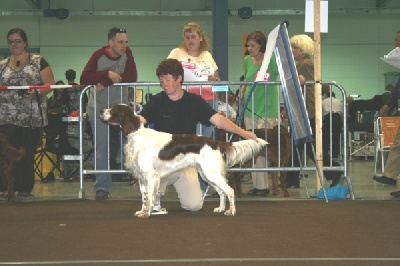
[
  {"x": 230, "y": 212},
  {"x": 142, "y": 214},
  {"x": 219, "y": 209}
]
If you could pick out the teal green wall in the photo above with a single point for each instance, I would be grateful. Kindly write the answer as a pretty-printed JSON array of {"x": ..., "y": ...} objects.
[{"x": 350, "y": 50}]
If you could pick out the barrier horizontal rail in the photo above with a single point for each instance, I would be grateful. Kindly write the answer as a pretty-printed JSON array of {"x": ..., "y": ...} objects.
[
  {"x": 150, "y": 86},
  {"x": 39, "y": 87}
]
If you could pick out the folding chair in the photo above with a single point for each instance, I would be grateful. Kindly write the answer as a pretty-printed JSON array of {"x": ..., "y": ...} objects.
[
  {"x": 361, "y": 136},
  {"x": 385, "y": 133},
  {"x": 71, "y": 164},
  {"x": 55, "y": 145}
]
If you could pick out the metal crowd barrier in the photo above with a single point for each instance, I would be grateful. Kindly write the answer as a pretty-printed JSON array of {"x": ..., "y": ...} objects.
[{"x": 140, "y": 90}]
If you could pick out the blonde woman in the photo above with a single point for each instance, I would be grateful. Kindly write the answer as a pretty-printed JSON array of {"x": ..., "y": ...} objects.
[
  {"x": 303, "y": 49},
  {"x": 198, "y": 64}
]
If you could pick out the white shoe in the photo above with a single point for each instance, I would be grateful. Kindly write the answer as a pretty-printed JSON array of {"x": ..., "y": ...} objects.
[{"x": 157, "y": 210}]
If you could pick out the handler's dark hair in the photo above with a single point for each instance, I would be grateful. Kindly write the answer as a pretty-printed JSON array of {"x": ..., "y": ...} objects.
[{"x": 170, "y": 67}]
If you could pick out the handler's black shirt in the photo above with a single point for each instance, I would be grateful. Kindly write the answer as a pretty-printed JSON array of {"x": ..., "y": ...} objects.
[{"x": 177, "y": 117}]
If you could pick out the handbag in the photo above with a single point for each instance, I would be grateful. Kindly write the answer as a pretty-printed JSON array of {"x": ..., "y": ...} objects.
[{"x": 337, "y": 192}]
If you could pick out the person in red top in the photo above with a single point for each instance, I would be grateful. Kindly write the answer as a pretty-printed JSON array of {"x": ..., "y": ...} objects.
[{"x": 108, "y": 65}]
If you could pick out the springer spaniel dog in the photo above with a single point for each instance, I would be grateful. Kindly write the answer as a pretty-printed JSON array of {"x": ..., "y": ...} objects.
[{"x": 151, "y": 155}]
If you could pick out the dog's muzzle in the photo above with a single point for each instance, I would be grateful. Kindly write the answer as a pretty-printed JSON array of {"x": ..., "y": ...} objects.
[{"x": 105, "y": 114}]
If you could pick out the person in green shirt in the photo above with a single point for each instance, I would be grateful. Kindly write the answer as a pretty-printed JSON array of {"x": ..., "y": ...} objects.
[{"x": 266, "y": 102}]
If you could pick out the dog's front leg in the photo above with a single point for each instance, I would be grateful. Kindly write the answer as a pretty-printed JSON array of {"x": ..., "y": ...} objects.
[
  {"x": 153, "y": 184},
  {"x": 143, "y": 191},
  {"x": 149, "y": 191}
]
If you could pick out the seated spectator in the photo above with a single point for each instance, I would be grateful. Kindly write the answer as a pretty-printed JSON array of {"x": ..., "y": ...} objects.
[
  {"x": 59, "y": 101},
  {"x": 57, "y": 108},
  {"x": 227, "y": 109},
  {"x": 74, "y": 93},
  {"x": 374, "y": 104}
]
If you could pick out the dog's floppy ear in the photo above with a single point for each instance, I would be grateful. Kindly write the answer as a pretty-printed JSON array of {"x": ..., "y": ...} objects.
[{"x": 129, "y": 121}]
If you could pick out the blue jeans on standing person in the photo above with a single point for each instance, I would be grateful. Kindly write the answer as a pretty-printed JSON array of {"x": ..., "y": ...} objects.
[{"x": 103, "y": 156}]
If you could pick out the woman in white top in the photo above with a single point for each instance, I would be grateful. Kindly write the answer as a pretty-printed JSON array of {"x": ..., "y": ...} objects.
[{"x": 198, "y": 65}]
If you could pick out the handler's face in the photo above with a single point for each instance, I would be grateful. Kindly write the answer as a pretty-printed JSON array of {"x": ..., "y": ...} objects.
[{"x": 170, "y": 84}]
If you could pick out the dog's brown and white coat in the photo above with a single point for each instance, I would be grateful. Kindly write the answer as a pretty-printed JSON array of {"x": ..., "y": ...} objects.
[{"x": 151, "y": 155}]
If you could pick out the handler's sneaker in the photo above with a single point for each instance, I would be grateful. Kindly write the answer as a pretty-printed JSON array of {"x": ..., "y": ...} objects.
[{"x": 158, "y": 210}]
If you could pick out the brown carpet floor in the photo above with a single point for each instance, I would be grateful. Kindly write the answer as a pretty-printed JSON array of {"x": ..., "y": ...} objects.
[{"x": 306, "y": 232}]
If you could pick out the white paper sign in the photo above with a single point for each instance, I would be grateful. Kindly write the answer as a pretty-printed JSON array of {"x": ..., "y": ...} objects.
[
  {"x": 309, "y": 21},
  {"x": 271, "y": 42}
]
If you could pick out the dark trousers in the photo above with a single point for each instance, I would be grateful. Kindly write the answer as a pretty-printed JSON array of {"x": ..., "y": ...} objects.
[
  {"x": 336, "y": 129},
  {"x": 292, "y": 177},
  {"x": 23, "y": 170}
]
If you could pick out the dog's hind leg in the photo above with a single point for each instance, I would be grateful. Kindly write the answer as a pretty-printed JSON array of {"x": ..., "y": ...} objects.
[
  {"x": 231, "y": 199},
  {"x": 222, "y": 199},
  {"x": 223, "y": 191},
  {"x": 213, "y": 171}
]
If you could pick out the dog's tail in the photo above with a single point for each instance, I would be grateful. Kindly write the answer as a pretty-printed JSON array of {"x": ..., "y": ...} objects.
[{"x": 244, "y": 150}]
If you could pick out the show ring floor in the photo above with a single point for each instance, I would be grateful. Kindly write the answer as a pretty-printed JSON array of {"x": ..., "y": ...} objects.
[{"x": 59, "y": 229}]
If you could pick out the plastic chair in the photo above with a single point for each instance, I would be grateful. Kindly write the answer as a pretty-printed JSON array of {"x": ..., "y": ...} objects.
[
  {"x": 385, "y": 133},
  {"x": 361, "y": 135}
]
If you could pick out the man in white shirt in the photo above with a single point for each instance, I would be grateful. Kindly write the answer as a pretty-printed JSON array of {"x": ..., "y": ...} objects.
[{"x": 328, "y": 104}]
